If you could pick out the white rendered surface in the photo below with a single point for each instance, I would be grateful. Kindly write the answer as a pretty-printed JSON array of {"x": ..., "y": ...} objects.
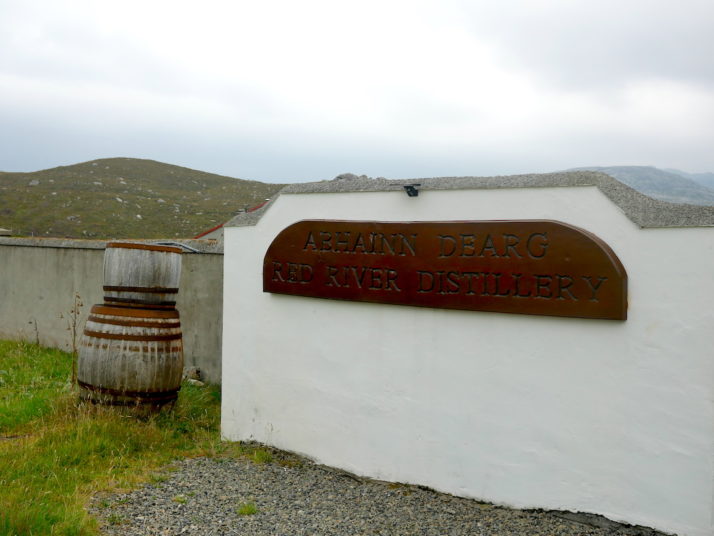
[{"x": 601, "y": 416}]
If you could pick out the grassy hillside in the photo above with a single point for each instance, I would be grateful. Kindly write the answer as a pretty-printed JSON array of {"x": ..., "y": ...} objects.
[{"x": 123, "y": 198}]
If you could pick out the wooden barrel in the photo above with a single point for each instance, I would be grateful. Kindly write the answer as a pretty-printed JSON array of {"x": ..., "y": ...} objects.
[
  {"x": 130, "y": 356},
  {"x": 141, "y": 275}
]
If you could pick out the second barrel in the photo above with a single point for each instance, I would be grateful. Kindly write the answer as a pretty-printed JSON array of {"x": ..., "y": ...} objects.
[{"x": 141, "y": 275}]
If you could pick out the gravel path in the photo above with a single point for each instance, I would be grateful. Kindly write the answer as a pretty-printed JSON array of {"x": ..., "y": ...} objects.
[{"x": 294, "y": 497}]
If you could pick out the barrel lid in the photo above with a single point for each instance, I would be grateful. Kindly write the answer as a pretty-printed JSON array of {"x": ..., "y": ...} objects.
[
  {"x": 133, "y": 312},
  {"x": 149, "y": 247}
]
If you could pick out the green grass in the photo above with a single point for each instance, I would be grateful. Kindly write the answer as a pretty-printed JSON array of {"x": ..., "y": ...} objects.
[
  {"x": 262, "y": 456},
  {"x": 30, "y": 380},
  {"x": 55, "y": 452},
  {"x": 247, "y": 509}
]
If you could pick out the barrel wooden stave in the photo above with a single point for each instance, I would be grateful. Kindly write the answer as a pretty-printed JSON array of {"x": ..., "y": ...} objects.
[
  {"x": 130, "y": 356},
  {"x": 141, "y": 275}
]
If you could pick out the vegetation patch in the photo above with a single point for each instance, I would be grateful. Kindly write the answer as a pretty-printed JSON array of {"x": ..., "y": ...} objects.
[
  {"x": 123, "y": 198},
  {"x": 247, "y": 509},
  {"x": 56, "y": 452},
  {"x": 31, "y": 381},
  {"x": 262, "y": 456}
]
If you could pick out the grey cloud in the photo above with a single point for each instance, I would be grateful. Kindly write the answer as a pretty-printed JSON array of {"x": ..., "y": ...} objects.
[
  {"x": 232, "y": 125},
  {"x": 600, "y": 44},
  {"x": 45, "y": 46}
]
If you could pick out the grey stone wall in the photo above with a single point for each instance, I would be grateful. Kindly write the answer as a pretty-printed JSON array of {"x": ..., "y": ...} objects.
[{"x": 40, "y": 277}]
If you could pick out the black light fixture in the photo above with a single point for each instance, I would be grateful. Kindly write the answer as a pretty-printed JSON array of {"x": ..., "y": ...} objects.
[{"x": 411, "y": 189}]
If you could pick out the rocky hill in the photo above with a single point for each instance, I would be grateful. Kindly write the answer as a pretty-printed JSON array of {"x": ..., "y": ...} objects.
[
  {"x": 706, "y": 179},
  {"x": 123, "y": 198}
]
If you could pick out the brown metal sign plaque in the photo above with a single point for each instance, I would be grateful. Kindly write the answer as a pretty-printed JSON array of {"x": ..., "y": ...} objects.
[{"x": 536, "y": 267}]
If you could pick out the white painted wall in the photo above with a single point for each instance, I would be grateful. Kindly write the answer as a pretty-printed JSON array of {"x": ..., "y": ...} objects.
[{"x": 610, "y": 417}]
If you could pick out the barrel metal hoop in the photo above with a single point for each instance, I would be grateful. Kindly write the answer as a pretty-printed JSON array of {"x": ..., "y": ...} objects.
[
  {"x": 122, "y": 337},
  {"x": 147, "y": 290},
  {"x": 134, "y": 324},
  {"x": 139, "y": 303},
  {"x": 155, "y": 396},
  {"x": 148, "y": 247},
  {"x": 134, "y": 312}
]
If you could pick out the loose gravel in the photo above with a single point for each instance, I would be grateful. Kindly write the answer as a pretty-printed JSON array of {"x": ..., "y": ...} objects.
[{"x": 291, "y": 496}]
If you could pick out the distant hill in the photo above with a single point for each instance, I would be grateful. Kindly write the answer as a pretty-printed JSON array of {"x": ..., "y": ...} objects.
[
  {"x": 675, "y": 187},
  {"x": 123, "y": 198},
  {"x": 706, "y": 179}
]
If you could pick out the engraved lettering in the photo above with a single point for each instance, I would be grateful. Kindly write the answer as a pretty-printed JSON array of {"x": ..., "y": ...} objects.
[
  {"x": 331, "y": 279},
  {"x": 454, "y": 285},
  {"x": 359, "y": 273},
  {"x": 471, "y": 276},
  {"x": 348, "y": 242},
  {"x": 423, "y": 281},
  {"x": 379, "y": 236},
  {"x": 392, "y": 281},
  {"x": 537, "y": 251},
  {"x": 293, "y": 272},
  {"x": 359, "y": 244},
  {"x": 488, "y": 246},
  {"x": 306, "y": 274},
  {"x": 342, "y": 242},
  {"x": 484, "y": 280},
  {"x": 371, "y": 242},
  {"x": 499, "y": 291},
  {"x": 517, "y": 287},
  {"x": 594, "y": 287},
  {"x": 346, "y": 276},
  {"x": 564, "y": 284},
  {"x": 277, "y": 268},
  {"x": 511, "y": 241},
  {"x": 468, "y": 241},
  {"x": 445, "y": 246},
  {"x": 309, "y": 242},
  {"x": 529, "y": 267},
  {"x": 325, "y": 238},
  {"x": 390, "y": 245},
  {"x": 440, "y": 282},
  {"x": 410, "y": 245},
  {"x": 375, "y": 279},
  {"x": 542, "y": 283}
]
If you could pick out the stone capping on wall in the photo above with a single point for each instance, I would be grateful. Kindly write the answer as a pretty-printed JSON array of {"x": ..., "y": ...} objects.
[
  {"x": 640, "y": 209},
  {"x": 202, "y": 246}
]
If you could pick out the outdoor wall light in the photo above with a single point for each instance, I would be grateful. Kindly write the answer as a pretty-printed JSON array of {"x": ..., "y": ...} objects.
[{"x": 411, "y": 189}]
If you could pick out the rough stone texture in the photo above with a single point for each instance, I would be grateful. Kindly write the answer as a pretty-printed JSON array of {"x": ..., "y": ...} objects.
[
  {"x": 295, "y": 497},
  {"x": 642, "y": 210}
]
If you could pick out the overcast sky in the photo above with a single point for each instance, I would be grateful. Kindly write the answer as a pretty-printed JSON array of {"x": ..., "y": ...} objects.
[{"x": 305, "y": 90}]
